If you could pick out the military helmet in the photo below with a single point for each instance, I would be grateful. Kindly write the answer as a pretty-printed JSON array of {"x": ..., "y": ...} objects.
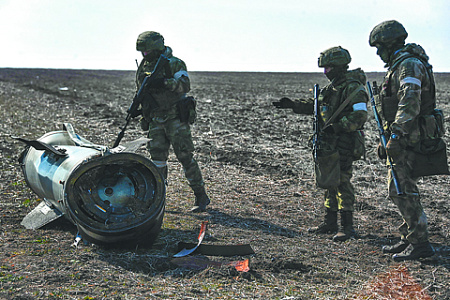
[
  {"x": 333, "y": 57},
  {"x": 386, "y": 32},
  {"x": 150, "y": 40}
]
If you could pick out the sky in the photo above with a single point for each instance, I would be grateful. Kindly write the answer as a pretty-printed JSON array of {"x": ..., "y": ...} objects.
[{"x": 214, "y": 35}]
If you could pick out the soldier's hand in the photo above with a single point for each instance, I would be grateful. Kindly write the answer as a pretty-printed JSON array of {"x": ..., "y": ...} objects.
[
  {"x": 284, "y": 103},
  {"x": 394, "y": 148},
  {"x": 381, "y": 152}
]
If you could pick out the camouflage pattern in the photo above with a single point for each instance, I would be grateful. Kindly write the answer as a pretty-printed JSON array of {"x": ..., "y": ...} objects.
[
  {"x": 343, "y": 196},
  {"x": 387, "y": 32},
  {"x": 164, "y": 125},
  {"x": 335, "y": 56},
  {"x": 150, "y": 40},
  {"x": 162, "y": 134},
  {"x": 414, "y": 227},
  {"x": 177, "y": 84},
  {"x": 407, "y": 93},
  {"x": 335, "y": 93},
  {"x": 349, "y": 121},
  {"x": 332, "y": 95}
]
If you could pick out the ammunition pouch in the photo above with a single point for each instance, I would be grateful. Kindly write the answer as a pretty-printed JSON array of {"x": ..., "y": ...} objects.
[
  {"x": 187, "y": 110},
  {"x": 432, "y": 125},
  {"x": 439, "y": 117}
]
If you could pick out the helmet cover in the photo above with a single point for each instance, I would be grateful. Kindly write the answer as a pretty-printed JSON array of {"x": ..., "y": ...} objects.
[
  {"x": 334, "y": 57},
  {"x": 150, "y": 40},
  {"x": 386, "y": 32}
]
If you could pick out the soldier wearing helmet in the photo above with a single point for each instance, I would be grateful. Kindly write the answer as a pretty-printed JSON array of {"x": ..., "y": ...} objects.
[
  {"x": 407, "y": 95},
  {"x": 344, "y": 133},
  {"x": 162, "y": 119}
]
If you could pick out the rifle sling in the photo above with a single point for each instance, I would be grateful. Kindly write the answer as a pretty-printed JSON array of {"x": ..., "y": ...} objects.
[{"x": 342, "y": 106}]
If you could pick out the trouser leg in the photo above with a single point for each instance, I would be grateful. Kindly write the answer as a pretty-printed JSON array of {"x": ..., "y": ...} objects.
[
  {"x": 183, "y": 147},
  {"x": 415, "y": 226},
  {"x": 158, "y": 146}
]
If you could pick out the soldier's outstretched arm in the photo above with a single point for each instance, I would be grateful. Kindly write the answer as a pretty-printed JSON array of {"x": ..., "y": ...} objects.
[{"x": 302, "y": 106}]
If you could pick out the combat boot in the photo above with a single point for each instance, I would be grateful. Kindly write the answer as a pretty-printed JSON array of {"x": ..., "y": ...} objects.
[
  {"x": 397, "y": 248},
  {"x": 346, "y": 231},
  {"x": 201, "y": 200},
  {"x": 329, "y": 224},
  {"x": 415, "y": 251}
]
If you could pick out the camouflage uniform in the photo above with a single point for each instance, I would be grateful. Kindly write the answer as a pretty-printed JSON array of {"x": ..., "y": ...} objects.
[
  {"x": 163, "y": 123},
  {"x": 343, "y": 134},
  {"x": 349, "y": 121},
  {"x": 407, "y": 92}
]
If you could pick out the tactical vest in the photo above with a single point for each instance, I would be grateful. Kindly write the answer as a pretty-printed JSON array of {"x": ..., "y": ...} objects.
[
  {"x": 166, "y": 101},
  {"x": 349, "y": 144},
  {"x": 388, "y": 103},
  {"x": 331, "y": 95},
  {"x": 330, "y": 99}
]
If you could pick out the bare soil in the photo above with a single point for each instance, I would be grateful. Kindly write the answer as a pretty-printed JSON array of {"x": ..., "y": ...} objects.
[{"x": 258, "y": 171}]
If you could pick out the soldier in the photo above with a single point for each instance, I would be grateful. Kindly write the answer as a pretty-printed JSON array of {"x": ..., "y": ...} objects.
[
  {"x": 162, "y": 119},
  {"x": 343, "y": 134},
  {"x": 407, "y": 92}
]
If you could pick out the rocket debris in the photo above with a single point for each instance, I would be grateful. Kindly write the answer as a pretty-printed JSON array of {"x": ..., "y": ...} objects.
[{"x": 113, "y": 196}]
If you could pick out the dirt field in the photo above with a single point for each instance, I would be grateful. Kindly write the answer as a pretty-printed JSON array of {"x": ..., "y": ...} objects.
[{"x": 257, "y": 167}]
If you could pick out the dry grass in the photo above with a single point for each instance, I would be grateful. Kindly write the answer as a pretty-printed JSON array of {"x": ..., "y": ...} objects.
[{"x": 257, "y": 167}]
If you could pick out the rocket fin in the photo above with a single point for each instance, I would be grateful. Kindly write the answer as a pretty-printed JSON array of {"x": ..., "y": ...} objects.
[
  {"x": 41, "y": 215},
  {"x": 38, "y": 145},
  {"x": 133, "y": 146}
]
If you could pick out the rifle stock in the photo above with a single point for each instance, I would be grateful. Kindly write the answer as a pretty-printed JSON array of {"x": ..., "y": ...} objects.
[
  {"x": 383, "y": 137},
  {"x": 161, "y": 65}
]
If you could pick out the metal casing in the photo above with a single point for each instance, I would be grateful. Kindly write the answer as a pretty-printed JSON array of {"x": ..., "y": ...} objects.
[
  {"x": 113, "y": 198},
  {"x": 46, "y": 173}
]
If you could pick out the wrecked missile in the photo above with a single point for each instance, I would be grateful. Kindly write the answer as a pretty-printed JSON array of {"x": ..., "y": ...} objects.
[{"x": 113, "y": 196}]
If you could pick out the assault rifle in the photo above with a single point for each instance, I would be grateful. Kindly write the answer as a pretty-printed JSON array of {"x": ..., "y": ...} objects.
[
  {"x": 316, "y": 127},
  {"x": 132, "y": 111},
  {"x": 383, "y": 136}
]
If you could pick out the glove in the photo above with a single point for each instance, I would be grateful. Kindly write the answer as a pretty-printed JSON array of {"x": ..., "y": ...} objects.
[
  {"x": 284, "y": 103},
  {"x": 394, "y": 147},
  {"x": 381, "y": 152},
  {"x": 157, "y": 84}
]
